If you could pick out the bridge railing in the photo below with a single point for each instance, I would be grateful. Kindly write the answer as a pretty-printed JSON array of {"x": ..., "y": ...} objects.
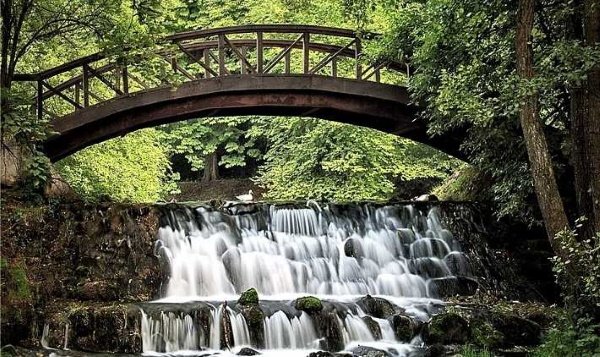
[{"x": 262, "y": 50}]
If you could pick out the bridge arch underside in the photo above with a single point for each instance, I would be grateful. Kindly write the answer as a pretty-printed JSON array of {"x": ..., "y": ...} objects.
[{"x": 368, "y": 104}]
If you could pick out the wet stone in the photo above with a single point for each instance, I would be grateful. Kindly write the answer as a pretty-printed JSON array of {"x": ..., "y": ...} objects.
[
  {"x": 377, "y": 307},
  {"x": 247, "y": 351},
  {"x": 447, "y": 328},
  {"x": 309, "y": 304}
]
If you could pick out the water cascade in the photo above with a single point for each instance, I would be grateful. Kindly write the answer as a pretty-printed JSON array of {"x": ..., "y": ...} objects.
[{"x": 366, "y": 264}]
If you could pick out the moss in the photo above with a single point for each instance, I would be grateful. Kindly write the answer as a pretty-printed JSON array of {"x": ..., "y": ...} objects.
[
  {"x": 15, "y": 278},
  {"x": 485, "y": 335},
  {"x": 448, "y": 328},
  {"x": 309, "y": 304},
  {"x": 404, "y": 328},
  {"x": 249, "y": 297}
]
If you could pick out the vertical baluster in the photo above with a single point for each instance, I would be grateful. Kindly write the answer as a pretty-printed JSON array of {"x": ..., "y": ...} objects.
[
  {"x": 125, "y": 75},
  {"x": 86, "y": 86},
  {"x": 77, "y": 93},
  {"x": 377, "y": 75},
  {"x": 357, "y": 50},
  {"x": 306, "y": 52},
  {"x": 118, "y": 78},
  {"x": 244, "y": 70},
  {"x": 334, "y": 67},
  {"x": 206, "y": 53},
  {"x": 287, "y": 62},
  {"x": 259, "y": 52},
  {"x": 40, "y": 99},
  {"x": 222, "y": 55}
]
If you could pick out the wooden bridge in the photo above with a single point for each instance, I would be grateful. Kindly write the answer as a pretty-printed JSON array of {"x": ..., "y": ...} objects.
[{"x": 282, "y": 70}]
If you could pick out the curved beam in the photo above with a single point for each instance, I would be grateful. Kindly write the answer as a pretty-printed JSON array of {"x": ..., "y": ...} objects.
[{"x": 369, "y": 104}]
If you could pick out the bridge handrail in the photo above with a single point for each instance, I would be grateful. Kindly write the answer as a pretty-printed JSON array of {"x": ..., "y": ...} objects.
[{"x": 189, "y": 49}]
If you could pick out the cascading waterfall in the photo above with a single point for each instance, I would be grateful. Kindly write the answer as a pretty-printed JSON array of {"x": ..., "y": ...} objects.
[{"x": 336, "y": 253}]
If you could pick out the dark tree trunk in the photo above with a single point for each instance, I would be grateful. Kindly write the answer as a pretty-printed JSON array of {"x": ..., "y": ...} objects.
[
  {"x": 546, "y": 189},
  {"x": 211, "y": 167},
  {"x": 591, "y": 134},
  {"x": 585, "y": 122}
]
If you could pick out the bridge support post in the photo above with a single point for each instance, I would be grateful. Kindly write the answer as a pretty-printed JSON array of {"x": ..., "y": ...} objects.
[
  {"x": 259, "y": 52},
  {"x": 306, "y": 52}
]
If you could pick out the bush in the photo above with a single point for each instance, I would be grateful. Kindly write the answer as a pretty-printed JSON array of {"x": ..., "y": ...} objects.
[{"x": 569, "y": 339}]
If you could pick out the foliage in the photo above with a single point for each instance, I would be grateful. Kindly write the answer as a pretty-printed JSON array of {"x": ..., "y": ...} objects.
[
  {"x": 470, "y": 351},
  {"x": 15, "y": 279},
  {"x": 581, "y": 292},
  {"x": 570, "y": 338},
  {"x": 134, "y": 168},
  {"x": 463, "y": 53},
  {"x": 198, "y": 138},
  {"x": 309, "y": 158}
]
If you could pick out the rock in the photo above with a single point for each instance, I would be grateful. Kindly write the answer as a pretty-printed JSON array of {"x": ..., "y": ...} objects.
[
  {"x": 377, "y": 307},
  {"x": 454, "y": 286},
  {"x": 426, "y": 198},
  {"x": 254, "y": 317},
  {"x": 249, "y": 297},
  {"x": 353, "y": 248},
  {"x": 97, "y": 290},
  {"x": 365, "y": 351},
  {"x": 404, "y": 327},
  {"x": 330, "y": 329},
  {"x": 485, "y": 335},
  {"x": 447, "y": 328},
  {"x": 436, "y": 350},
  {"x": 247, "y": 351},
  {"x": 373, "y": 327},
  {"x": 309, "y": 304},
  {"x": 517, "y": 330}
]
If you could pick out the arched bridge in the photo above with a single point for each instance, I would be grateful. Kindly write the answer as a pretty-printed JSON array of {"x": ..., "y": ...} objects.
[{"x": 283, "y": 70}]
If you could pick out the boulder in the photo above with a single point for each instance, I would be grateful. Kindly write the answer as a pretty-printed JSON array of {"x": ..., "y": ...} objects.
[
  {"x": 248, "y": 297},
  {"x": 366, "y": 351},
  {"x": 404, "y": 327},
  {"x": 309, "y": 304},
  {"x": 373, "y": 327},
  {"x": 517, "y": 330},
  {"x": 377, "y": 307},
  {"x": 454, "y": 286},
  {"x": 247, "y": 351},
  {"x": 447, "y": 328}
]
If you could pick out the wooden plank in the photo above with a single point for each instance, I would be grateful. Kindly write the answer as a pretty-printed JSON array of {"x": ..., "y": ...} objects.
[
  {"x": 357, "y": 52},
  {"x": 60, "y": 94},
  {"x": 125, "y": 79},
  {"x": 287, "y": 62},
  {"x": 177, "y": 68},
  {"x": 242, "y": 58},
  {"x": 306, "y": 52},
  {"x": 104, "y": 80},
  {"x": 86, "y": 86},
  {"x": 40, "y": 99},
  {"x": 280, "y": 55},
  {"x": 216, "y": 59},
  {"x": 242, "y": 66},
  {"x": 334, "y": 68},
  {"x": 329, "y": 57},
  {"x": 259, "y": 52},
  {"x": 221, "y": 55},
  {"x": 206, "y": 64}
]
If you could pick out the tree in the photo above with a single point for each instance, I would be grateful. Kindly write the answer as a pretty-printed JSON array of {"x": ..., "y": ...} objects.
[
  {"x": 312, "y": 158},
  {"x": 551, "y": 205},
  {"x": 134, "y": 168},
  {"x": 211, "y": 142}
]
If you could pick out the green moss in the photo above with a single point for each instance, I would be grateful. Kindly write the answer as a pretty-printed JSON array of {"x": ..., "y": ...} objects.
[
  {"x": 15, "y": 277},
  {"x": 309, "y": 304},
  {"x": 448, "y": 328},
  {"x": 485, "y": 335},
  {"x": 249, "y": 297},
  {"x": 470, "y": 351}
]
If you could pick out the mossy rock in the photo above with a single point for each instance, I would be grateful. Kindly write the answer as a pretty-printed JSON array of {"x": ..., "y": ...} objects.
[
  {"x": 485, "y": 335},
  {"x": 447, "y": 328},
  {"x": 309, "y": 304},
  {"x": 254, "y": 317},
  {"x": 404, "y": 327},
  {"x": 249, "y": 297},
  {"x": 373, "y": 327},
  {"x": 517, "y": 330},
  {"x": 377, "y": 307}
]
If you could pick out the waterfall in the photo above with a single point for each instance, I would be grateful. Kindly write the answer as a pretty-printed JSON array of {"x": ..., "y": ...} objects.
[{"x": 336, "y": 253}]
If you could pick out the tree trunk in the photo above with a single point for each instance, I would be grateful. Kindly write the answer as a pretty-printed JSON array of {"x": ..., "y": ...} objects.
[
  {"x": 591, "y": 136},
  {"x": 211, "y": 167},
  {"x": 546, "y": 189},
  {"x": 585, "y": 122}
]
